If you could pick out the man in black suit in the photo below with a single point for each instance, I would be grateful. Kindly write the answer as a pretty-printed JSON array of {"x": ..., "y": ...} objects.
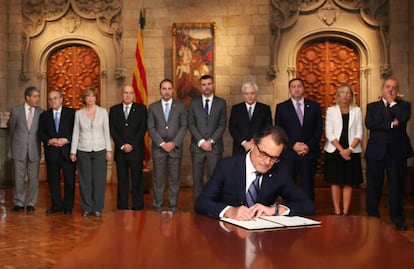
[
  {"x": 247, "y": 186},
  {"x": 128, "y": 124},
  {"x": 207, "y": 119},
  {"x": 55, "y": 131},
  {"x": 246, "y": 118},
  {"x": 388, "y": 149},
  {"x": 302, "y": 120}
]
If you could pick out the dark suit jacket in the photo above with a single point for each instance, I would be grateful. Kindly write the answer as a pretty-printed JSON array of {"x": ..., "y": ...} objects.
[
  {"x": 311, "y": 131},
  {"x": 173, "y": 130},
  {"x": 213, "y": 128},
  {"x": 227, "y": 186},
  {"x": 129, "y": 131},
  {"x": 242, "y": 128},
  {"x": 383, "y": 138},
  {"x": 24, "y": 143},
  {"x": 47, "y": 131}
]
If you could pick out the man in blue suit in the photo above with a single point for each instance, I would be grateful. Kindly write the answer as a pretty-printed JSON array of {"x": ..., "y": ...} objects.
[
  {"x": 248, "y": 117},
  {"x": 388, "y": 149},
  {"x": 230, "y": 191},
  {"x": 302, "y": 120},
  {"x": 55, "y": 131}
]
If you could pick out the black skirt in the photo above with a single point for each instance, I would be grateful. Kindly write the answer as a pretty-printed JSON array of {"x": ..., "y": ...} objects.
[{"x": 339, "y": 171}]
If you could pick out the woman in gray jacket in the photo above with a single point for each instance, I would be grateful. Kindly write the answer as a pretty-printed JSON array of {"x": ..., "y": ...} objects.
[{"x": 91, "y": 148}]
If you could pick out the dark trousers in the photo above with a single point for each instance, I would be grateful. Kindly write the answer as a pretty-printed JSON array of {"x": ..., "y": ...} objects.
[
  {"x": 53, "y": 179},
  {"x": 199, "y": 162},
  {"x": 305, "y": 168},
  {"x": 130, "y": 170},
  {"x": 396, "y": 174},
  {"x": 92, "y": 168}
]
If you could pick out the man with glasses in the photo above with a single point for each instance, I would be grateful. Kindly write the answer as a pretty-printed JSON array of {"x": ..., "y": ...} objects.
[
  {"x": 55, "y": 131},
  {"x": 246, "y": 186}
]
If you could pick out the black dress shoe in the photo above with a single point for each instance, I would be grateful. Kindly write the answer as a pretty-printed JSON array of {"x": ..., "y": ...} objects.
[
  {"x": 30, "y": 208},
  {"x": 51, "y": 211},
  {"x": 17, "y": 208},
  {"x": 67, "y": 211},
  {"x": 401, "y": 227}
]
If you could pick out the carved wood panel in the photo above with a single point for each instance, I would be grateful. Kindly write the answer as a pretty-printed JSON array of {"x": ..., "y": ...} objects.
[
  {"x": 324, "y": 65},
  {"x": 70, "y": 70}
]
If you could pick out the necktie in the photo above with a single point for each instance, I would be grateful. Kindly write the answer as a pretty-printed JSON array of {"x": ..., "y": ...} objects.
[
  {"x": 387, "y": 107},
  {"x": 206, "y": 109},
  {"x": 299, "y": 112},
  {"x": 253, "y": 190},
  {"x": 30, "y": 118},
  {"x": 166, "y": 111},
  {"x": 57, "y": 121},
  {"x": 126, "y": 112},
  {"x": 250, "y": 113}
]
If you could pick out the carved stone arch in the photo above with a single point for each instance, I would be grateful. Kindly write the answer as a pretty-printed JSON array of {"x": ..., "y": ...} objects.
[{"x": 44, "y": 54}]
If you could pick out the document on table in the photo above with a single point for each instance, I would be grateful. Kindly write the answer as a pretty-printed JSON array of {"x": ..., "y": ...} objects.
[{"x": 273, "y": 222}]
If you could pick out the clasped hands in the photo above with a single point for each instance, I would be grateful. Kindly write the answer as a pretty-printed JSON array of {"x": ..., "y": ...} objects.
[
  {"x": 249, "y": 213},
  {"x": 346, "y": 154},
  {"x": 301, "y": 148},
  {"x": 58, "y": 142},
  {"x": 206, "y": 146}
]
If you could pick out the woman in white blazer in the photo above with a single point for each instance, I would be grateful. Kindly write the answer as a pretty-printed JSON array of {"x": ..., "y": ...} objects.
[
  {"x": 91, "y": 147},
  {"x": 343, "y": 131}
]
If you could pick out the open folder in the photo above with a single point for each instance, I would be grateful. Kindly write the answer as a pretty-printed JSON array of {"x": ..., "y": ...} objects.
[{"x": 273, "y": 222}]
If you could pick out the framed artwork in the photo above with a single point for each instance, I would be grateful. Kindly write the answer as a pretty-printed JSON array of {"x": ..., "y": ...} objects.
[{"x": 193, "y": 57}]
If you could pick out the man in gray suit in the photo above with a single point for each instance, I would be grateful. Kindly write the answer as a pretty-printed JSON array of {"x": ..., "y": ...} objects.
[
  {"x": 167, "y": 124},
  {"x": 25, "y": 149},
  {"x": 207, "y": 120}
]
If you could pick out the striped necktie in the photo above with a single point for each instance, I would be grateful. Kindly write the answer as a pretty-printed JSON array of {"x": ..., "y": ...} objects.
[{"x": 253, "y": 191}]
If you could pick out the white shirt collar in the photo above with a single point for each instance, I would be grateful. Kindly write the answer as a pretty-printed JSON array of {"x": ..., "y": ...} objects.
[
  {"x": 250, "y": 172},
  {"x": 249, "y": 165},
  {"x": 125, "y": 105},
  {"x": 252, "y": 105},
  {"x": 59, "y": 110},
  {"x": 166, "y": 102},
  {"x": 301, "y": 101},
  {"x": 26, "y": 107},
  {"x": 210, "y": 98}
]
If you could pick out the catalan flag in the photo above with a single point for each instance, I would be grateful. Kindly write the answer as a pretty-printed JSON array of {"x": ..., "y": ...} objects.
[{"x": 139, "y": 82}]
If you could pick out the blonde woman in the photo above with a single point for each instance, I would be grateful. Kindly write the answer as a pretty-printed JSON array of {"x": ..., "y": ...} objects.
[
  {"x": 91, "y": 148},
  {"x": 343, "y": 131}
]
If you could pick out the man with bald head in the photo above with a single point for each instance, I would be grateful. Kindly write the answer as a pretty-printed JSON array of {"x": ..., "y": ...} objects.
[
  {"x": 128, "y": 124},
  {"x": 387, "y": 150},
  {"x": 55, "y": 131}
]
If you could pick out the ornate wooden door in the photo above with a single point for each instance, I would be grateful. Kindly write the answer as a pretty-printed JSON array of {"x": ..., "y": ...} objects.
[
  {"x": 70, "y": 70},
  {"x": 324, "y": 65}
]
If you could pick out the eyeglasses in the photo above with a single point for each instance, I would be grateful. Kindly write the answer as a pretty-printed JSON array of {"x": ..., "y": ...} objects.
[
  {"x": 53, "y": 98},
  {"x": 263, "y": 155}
]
